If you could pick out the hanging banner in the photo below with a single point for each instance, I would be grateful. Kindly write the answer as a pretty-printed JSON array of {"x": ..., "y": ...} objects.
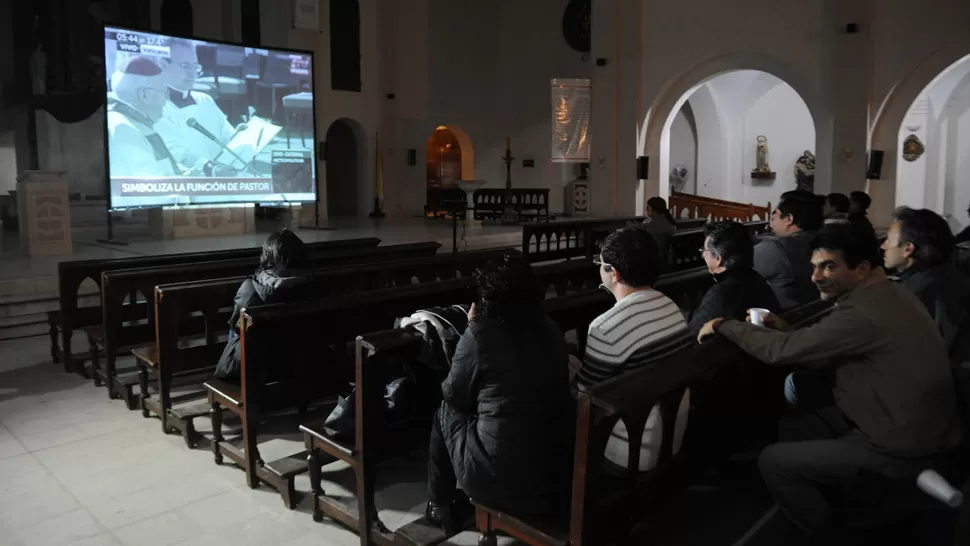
[{"x": 571, "y": 99}]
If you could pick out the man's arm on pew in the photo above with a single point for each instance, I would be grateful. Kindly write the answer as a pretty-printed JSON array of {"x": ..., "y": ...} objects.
[
  {"x": 460, "y": 388},
  {"x": 840, "y": 333}
]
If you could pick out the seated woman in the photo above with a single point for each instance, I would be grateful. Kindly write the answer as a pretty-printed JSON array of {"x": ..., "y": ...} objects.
[
  {"x": 503, "y": 433},
  {"x": 282, "y": 275}
]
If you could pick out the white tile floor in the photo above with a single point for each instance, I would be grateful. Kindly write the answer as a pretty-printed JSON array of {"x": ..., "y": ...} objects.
[{"x": 78, "y": 469}]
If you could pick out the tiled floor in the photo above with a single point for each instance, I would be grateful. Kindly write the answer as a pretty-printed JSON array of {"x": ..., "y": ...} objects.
[{"x": 78, "y": 469}]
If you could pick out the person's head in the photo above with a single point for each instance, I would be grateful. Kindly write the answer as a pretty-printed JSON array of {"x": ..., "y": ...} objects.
[
  {"x": 182, "y": 66},
  {"x": 843, "y": 257},
  {"x": 630, "y": 260},
  {"x": 142, "y": 86},
  {"x": 727, "y": 245},
  {"x": 283, "y": 251},
  {"x": 657, "y": 206},
  {"x": 917, "y": 236},
  {"x": 797, "y": 211},
  {"x": 506, "y": 287},
  {"x": 859, "y": 202},
  {"x": 836, "y": 203}
]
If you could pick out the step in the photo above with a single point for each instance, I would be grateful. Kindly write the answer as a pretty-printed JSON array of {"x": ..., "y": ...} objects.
[{"x": 288, "y": 466}]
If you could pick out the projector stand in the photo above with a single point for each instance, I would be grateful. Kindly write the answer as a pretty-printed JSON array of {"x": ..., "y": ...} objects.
[{"x": 111, "y": 240}]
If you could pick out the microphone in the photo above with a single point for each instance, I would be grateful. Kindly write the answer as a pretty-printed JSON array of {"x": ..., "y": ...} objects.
[
  {"x": 239, "y": 128},
  {"x": 194, "y": 123}
]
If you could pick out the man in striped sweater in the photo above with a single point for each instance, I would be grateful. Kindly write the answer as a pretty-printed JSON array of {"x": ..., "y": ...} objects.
[{"x": 642, "y": 327}]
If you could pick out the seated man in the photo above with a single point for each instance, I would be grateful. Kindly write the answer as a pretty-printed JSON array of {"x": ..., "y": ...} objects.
[
  {"x": 504, "y": 431},
  {"x": 859, "y": 202},
  {"x": 642, "y": 327},
  {"x": 891, "y": 395},
  {"x": 919, "y": 247},
  {"x": 783, "y": 260},
  {"x": 729, "y": 254}
]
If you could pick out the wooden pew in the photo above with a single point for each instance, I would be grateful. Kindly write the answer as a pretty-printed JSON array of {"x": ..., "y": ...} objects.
[
  {"x": 116, "y": 285},
  {"x": 572, "y": 312},
  {"x": 369, "y": 446},
  {"x": 70, "y": 275},
  {"x": 529, "y": 203},
  {"x": 560, "y": 240},
  {"x": 716, "y": 209},
  {"x": 291, "y": 337},
  {"x": 603, "y": 508},
  {"x": 176, "y": 304}
]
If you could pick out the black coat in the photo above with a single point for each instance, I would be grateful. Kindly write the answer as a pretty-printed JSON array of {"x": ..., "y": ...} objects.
[
  {"x": 508, "y": 415},
  {"x": 945, "y": 292},
  {"x": 734, "y": 292},
  {"x": 264, "y": 287}
]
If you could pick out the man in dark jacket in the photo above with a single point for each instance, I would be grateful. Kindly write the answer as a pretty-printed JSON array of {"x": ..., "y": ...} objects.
[
  {"x": 783, "y": 260},
  {"x": 503, "y": 433},
  {"x": 919, "y": 246},
  {"x": 729, "y": 254},
  {"x": 282, "y": 275},
  {"x": 891, "y": 401}
]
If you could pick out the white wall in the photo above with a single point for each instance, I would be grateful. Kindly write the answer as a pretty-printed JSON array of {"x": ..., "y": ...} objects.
[
  {"x": 683, "y": 146},
  {"x": 729, "y": 112},
  {"x": 781, "y": 116}
]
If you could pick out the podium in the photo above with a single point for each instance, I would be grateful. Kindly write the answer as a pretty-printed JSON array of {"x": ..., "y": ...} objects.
[
  {"x": 201, "y": 221},
  {"x": 44, "y": 210}
]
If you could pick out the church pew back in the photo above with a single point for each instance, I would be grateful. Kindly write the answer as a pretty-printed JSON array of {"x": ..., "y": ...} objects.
[
  {"x": 118, "y": 284},
  {"x": 293, "y": 338},
  {"x": 178, "y": 303},
  {"x": 70, "y": 275}
]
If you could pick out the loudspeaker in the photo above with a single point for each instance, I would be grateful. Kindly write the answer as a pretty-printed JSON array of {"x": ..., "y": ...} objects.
[
  {"x": 875, "y": 165},
  {"x": 643, "y": 167},
  {"x": 412, "y": 157},
  {"x": 851, "y": 28},
  {"x": 601, "y": 62}
]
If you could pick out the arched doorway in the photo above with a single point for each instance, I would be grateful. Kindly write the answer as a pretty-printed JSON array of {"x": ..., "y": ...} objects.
[
  {"x": 927, "y": 163},
  {"x": 343, "y": 167},
  {"x": 762, "y": 80},
  {"x": 716, "y": 128},
  {"x": 449, "y": 157}
]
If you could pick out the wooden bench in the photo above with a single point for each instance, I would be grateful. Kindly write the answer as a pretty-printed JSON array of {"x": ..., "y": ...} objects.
[
  {"x": 177, "y": 303},
  {"x": 370, "y": 446},
  {"x": 683, "y": 247},
  {"x": 571, "y": 312},
  {"x": 281, "y": 348},
  {"x": 70, "y": 275},
  {"x": 716, "y": 209},
  {"x": 439, "y": 198},
  {"x": 115, "y": 338},
  {"x": 529, "y": 203},
  {"x": 606, "y": 508},
  {"x": 562, "y": 240}
]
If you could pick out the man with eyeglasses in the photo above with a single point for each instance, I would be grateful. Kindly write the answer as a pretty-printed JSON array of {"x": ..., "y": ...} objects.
[
  {"x": 191, "y": 147},
  {"x": 134, "y": 107},
  {"x": 642, "y": 327}
]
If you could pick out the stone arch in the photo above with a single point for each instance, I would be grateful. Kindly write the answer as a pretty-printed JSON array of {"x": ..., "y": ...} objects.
[
  {"x": 884, "y": 132},
  {"x": 677, "y": 90},
  {"x": 346, "y": 187}
]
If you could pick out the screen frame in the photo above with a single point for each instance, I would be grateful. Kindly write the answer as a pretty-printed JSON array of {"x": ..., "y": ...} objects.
[{"x": 255, "y": 202}]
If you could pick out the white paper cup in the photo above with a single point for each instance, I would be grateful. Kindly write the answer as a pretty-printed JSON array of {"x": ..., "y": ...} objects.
[
  {"x": 758, "y": 315},
  {"x": 935, "y": 486}
]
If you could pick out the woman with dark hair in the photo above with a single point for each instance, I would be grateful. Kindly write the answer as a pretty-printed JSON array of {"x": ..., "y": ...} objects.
[
  {"x": 661, "y": 225},
  {"x": 282, "y": 275},
  {"x": 503, "y": 432}
]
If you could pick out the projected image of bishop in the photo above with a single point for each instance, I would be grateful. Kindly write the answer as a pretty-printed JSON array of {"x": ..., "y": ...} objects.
[
  {"x": 193, "y": 125},
  {"x": 134, "y": 107}
]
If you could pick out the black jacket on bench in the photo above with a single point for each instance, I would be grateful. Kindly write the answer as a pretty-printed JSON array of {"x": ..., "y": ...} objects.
[
  {"x": 508, "y": 414},
  {"x": 264, "y": 287}
]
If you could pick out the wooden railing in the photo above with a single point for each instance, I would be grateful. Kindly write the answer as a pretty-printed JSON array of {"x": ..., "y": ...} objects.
[{"x": 683, "y": 205}]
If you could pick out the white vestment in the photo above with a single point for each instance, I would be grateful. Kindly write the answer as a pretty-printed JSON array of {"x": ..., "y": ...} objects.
[
  {"x": 135, "y": 149},
  {"x": 191, "y": 148}
]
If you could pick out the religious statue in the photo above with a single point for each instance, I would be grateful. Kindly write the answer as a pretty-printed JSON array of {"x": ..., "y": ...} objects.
[
  {"x": 805, "y": 172},
  {"x": 761, "y": 154}
]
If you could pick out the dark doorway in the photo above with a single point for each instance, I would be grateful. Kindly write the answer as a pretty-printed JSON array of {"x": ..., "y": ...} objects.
[{"x": 343, "y": 173}]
